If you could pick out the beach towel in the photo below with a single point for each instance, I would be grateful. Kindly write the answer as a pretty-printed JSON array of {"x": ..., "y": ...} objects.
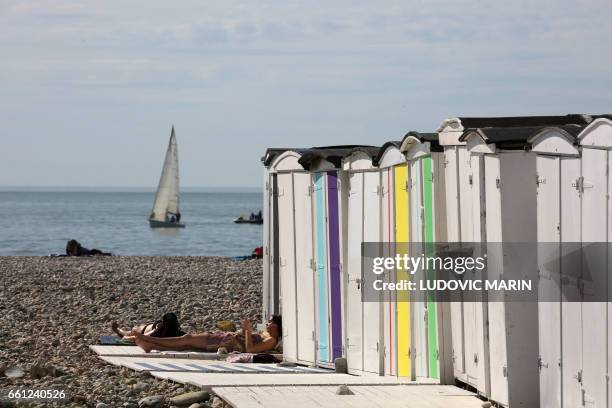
[{"x": 115, "y": 341}]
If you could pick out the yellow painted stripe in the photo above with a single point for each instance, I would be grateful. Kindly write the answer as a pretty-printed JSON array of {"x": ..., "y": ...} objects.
[{"x": 403, "y": 301}]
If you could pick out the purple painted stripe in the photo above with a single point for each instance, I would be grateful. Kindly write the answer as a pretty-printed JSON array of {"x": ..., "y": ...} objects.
[{"x": 334, "y": 263}]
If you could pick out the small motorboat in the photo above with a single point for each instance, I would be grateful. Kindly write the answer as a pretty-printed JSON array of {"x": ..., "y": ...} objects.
[{"x": 253, "y": 219}]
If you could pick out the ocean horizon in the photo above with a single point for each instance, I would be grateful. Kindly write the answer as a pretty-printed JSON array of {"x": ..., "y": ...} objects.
[{"x": 38, "y": 221}]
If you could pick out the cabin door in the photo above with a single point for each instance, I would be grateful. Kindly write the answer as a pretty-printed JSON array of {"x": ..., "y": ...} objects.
[
  {"x": 287, "y": 264},
  {"x": 571, "y": 266},
  {"x": 453, "y": 235},
  {"x": 354, "y": 306},
  {"x": 372, "y": 333},
  {"x": 594, "y": 264},
  {"x": 433, "y": 352},
  {"x": 305, "y": 276},
  {"x": 418, "y": 300},
  {"x": 402, "y": 237},
  {"x": 335, "y": 271},
  {"x": 549, "y": 312},
  {"x": 323, "y": 349},
  {"x": 388, "y": 236}
]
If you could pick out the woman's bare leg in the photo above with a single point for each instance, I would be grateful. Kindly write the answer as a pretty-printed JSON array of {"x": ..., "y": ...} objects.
[
  {"x": 194, "y": 341},
  {"x": 147, "y": 347}
]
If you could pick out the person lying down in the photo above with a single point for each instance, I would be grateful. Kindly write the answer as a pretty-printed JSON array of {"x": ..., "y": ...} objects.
[{"x": 245, "y": 341}]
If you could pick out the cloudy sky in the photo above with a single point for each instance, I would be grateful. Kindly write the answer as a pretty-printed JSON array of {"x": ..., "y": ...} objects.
[{"x": 90, "y": 89}]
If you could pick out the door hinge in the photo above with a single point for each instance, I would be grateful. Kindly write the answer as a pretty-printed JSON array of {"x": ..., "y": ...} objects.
[
  {"x": 540, "y": 180},
  {"x": 314, "y": 338},
  {"x": 475, "y": 358},
  {"x": 498, "y": 183},
  {"x": 505, "y": 371}
]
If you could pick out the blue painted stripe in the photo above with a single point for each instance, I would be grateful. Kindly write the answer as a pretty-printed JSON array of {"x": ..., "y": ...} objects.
[
  {"x": 225, "y": 368},
  {"x": 243, "y": 366},
  {"x": 174, "y": 366},
  {"x": 323, "y": 338},
  {"x": 199, "y": 367},
  {"x": 149, "y": 366}
]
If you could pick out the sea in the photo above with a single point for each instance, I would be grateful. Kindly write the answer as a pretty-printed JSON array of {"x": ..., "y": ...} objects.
[{"x": 40, "y": 221}]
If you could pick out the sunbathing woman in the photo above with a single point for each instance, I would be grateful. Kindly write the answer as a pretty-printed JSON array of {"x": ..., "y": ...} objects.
[
  {"x": 168, "y": 326},
  {"x": 245, "y": 341}
]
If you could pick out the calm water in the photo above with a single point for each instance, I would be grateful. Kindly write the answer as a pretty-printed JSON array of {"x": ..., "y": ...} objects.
[{"x": 40, "y": 223}]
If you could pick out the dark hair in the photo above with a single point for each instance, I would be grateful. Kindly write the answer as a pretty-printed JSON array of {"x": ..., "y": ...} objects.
[
  {"x": 278, "y": 320},
  {"x": 168, "y": 326},
  {"x": 72, "y": 247}
]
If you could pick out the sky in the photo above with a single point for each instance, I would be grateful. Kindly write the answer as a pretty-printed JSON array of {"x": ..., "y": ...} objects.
[{"x": 89, "y": 90}]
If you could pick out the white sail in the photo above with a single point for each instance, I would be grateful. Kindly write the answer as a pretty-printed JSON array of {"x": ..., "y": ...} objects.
[{"x": 167, "y": 197}]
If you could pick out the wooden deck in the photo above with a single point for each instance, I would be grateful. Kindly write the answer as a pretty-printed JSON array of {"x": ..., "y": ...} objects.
[
  {"x": 404, "y": 396},
  {"x": 265, "y": 379},
  {"x": 135, "y": 351},
  {"x": 206, "y": 366}
]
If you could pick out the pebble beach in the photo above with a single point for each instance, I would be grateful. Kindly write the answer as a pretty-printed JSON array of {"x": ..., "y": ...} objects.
[{"x": 53, "y": 308}]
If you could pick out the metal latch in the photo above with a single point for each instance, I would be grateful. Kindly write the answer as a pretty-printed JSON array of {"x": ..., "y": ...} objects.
[
  {"x": 540, "y": 180},
  {"x": 497, "y": 183},
  {"x": 471, "y": 179},
  {"x": 475, "y": 358},
  {"x": 541, "y": 364},
  {"x": 580, "y": 184},
  {"x": 578, "y": 376},
  {"x": 505, "y": 371}
]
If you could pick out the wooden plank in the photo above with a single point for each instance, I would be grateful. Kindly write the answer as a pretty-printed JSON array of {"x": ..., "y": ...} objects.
[
  {"x": 260, "y": 379},
  {"x": 401, "y": 396}
]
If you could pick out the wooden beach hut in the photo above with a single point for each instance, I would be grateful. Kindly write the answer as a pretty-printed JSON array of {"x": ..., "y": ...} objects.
[
  {"x": 466, "y": 210},
  {"x": 501, "y": 167},
  {"x": 291, "y": 232},
  {"x": 468, "y": 319},
  {"x": 329, "y": 233},
  {"x": 427, "y": 211},
  {"x": 594, "y": 186},
  {"x": 399, "y": 355},
  {"x": 364, "y": 337},
  {"x": 558, "y": 233},
  {"x": 271, "y": 288}
]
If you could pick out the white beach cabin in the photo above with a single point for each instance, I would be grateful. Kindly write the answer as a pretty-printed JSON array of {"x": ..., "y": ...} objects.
[
  {"x": 291, "y": 253},
  {"x": 466, "y": 210},
  {"x": 271, "y": 287},
  {"x": 364, "y": 336},
  {"x": 468, "y": 319},
  {"x": 558, "y": 221},
  {"x": 503, "y": 181},
  {"x": 427, "y": 211},
  {"x": 329, "y": 233},
  {"x": 399, "y": 354}
]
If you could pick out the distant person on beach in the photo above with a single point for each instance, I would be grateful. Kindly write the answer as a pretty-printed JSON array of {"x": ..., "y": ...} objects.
[
  {"x": 74, "y": 248},
  {"x": 168, "y": 326},
  {"x": 245, "y": 341}
]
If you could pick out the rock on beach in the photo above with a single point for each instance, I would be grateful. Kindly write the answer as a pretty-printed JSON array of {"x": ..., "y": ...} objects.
[{"x": 54, "y": 308}]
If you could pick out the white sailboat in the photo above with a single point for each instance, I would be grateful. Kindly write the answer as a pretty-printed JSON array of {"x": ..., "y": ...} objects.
[{"x": 166, "y": 213}]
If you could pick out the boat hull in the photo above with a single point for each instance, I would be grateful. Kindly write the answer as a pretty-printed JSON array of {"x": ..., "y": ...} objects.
[
  {"x": 164, "y": 224},
  {"x": 239, "y": 221}
]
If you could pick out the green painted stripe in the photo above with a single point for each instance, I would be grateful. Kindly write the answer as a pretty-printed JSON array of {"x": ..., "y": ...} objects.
[{"x": 432, "y": 320}]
